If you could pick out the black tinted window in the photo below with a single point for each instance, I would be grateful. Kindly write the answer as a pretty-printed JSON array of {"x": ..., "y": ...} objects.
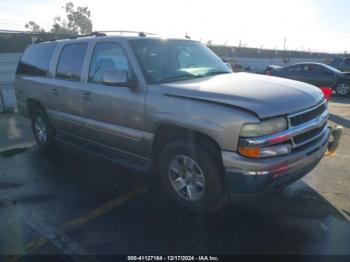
[
  {"x": 36, "y": 60},
  {"x": 71, "y": 61},
  {"x": 295, "y": 68},
  {"x": 107, "y": 57},
  {"x": 313, "y": 68}
]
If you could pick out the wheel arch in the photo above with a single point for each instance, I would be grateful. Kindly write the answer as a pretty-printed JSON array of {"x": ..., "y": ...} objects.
[
  {"x": 33, "y": 103},
  {"x": 169, "y": 132}
]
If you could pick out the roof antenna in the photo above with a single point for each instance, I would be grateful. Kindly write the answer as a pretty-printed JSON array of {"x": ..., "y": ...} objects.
[{"x": 187, "y": 36}]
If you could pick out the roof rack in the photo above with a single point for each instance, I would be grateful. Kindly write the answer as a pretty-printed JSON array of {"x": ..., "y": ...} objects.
[
  {"x": 97, "y": 34},
  {"x": 142, "y": 34}
]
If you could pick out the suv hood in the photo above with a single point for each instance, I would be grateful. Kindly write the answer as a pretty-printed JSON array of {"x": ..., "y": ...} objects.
[{"x": 266, "y": 96}]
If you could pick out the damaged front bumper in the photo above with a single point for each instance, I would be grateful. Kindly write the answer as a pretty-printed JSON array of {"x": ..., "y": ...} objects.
[{"x": 255, "y": 176}]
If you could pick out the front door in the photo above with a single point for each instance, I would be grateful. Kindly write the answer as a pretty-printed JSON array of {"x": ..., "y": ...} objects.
[{"x": 114, "y": 114}]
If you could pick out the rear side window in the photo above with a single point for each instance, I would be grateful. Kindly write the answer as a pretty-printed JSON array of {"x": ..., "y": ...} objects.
[
  {"x": 36, "y": 59},
  {"x": 294, "y": 69},
  {"x": 70, "y": 63}
]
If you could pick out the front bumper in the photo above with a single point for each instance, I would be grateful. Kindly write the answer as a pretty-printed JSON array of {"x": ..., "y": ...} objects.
[{"x": 254, "y": 176}]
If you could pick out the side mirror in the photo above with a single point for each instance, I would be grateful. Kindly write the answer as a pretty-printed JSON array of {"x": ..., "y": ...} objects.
[{"x": 117, "y": 78}]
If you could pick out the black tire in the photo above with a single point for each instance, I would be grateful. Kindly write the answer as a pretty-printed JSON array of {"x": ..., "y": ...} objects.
[
  {"x": 39, "y": 118},
  {"x": 342, "y": 89},
  {"x": 213, "y": 196}
]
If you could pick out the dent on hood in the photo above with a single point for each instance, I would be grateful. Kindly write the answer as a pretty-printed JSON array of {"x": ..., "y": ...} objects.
[{"x": 264, "y": 96}]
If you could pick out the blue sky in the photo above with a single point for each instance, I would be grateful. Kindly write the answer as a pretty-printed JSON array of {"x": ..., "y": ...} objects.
[{"x": 319, "y": 25}]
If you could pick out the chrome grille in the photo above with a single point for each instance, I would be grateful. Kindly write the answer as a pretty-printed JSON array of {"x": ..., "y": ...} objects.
[
  {"x": 303, "y": 117},
  {"x": 299, "y": 139}
]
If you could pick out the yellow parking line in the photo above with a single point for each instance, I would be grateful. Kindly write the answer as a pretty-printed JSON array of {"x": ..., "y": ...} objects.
[{"x": 37, "y": 243}]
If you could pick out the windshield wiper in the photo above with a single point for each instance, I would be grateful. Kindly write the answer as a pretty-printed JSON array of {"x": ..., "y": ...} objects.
[
  {"x": 215, "y": 73},
  {"x": 176, "y": 78},
  {"x": 187, "y": 77}
]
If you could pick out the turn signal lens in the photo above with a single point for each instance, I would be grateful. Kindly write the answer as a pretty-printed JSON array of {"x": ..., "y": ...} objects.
[
  {"x": 250, "y": 151},
  {"x": 275, "y": 150}
]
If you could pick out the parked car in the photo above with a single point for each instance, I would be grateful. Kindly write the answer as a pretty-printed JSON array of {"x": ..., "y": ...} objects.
[
  {"x": 175, "y": 106},
  {"x": 270, "y": 68},
  {"x": 341, "y": 63},
  {"x": 317, "y": 74}
]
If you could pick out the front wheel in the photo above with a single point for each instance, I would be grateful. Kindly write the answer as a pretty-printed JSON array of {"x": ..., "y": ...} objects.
[
  {"x": 42, "y": 129},
  {"x": 191, "y": 177},
  {"x": 343, "y": 89}
]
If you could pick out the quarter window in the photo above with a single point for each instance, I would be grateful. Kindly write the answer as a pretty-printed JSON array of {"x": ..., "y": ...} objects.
[
  {"x": 36, "y": 60},
  {"x": 107, "y": 57},
  {"x": 71, "y": 61}
]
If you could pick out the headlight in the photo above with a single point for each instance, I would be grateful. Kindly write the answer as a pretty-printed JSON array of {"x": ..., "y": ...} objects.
[{"x": 266, "y": 127}]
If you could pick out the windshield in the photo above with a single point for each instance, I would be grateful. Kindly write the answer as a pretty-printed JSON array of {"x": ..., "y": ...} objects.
[
  {"x": 332, "y": 68},
  {"x": 165, "y": 61}
]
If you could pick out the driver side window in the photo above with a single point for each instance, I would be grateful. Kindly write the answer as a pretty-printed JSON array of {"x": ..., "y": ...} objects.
[{"x": 107, "y": 57}]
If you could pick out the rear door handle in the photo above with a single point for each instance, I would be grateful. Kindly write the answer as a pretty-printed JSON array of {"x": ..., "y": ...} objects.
[{"x": 55, "y": 91}]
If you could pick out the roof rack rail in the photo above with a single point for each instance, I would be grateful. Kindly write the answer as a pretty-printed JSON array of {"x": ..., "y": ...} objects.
[
  {"x": 95, "y": 33},
  {"x": 140, "y": 33}
]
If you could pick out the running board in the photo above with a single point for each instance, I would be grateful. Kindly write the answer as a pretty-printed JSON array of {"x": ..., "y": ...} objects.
[{"x": 112, "y": 154}]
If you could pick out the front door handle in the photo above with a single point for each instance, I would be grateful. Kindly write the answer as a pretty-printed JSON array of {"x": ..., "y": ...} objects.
[
  {"x": 87, "y": 95},
  {"x": 55, "y": 91}
]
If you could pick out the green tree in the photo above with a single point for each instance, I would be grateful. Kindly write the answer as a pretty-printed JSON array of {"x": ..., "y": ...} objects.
[
  {"x": 33, "y": 27},
  {"x": 77, "y": 21}
]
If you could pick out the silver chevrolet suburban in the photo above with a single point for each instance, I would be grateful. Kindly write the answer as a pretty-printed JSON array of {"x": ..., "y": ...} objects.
[{"x": 172, "y": 106}]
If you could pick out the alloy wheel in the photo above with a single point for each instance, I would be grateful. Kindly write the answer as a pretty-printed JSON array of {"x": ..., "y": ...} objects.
[
  {"x": 186, "y": 178},
  {"x": 40, "y": 130},
  {"x": 343, "y": 89}
]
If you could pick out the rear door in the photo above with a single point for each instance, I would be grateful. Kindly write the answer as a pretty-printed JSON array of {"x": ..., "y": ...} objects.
[
  {"x": 291, "y": 72},
  {"x": 66, "y": 89}
]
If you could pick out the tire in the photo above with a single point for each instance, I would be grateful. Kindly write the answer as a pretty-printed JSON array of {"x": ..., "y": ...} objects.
[
  {"x": 204, "y": 192},
  {"x": 42, "y": 129},
  {"x": 342, "y": 89}
]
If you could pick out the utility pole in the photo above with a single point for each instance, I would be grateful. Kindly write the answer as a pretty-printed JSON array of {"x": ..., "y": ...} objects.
[{"x": 285, "y": 43}]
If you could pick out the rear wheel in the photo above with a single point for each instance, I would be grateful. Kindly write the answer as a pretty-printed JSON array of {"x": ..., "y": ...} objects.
[
  {"x": 343, "y": 89},
  {"x": 191, "y": 177},
  {"x": 42, "y": 129}
]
